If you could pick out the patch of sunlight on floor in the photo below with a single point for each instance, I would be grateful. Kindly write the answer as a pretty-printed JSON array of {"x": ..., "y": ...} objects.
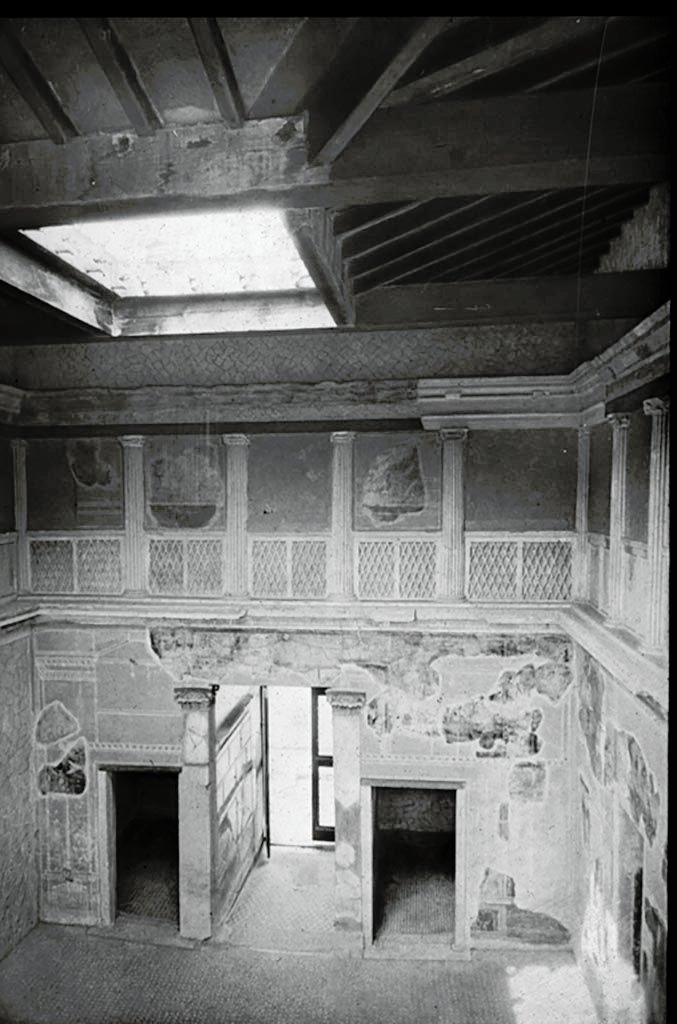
[{"x": 556, "y": 995}]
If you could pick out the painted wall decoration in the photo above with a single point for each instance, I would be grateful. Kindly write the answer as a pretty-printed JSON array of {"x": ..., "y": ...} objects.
[
  {"x": 75, "y": 484},
  {"x": 397, "y": 482},
  {"x": 67, "y": 776},
  {"x": 6, "y": 487},
  {"x": 599, "y": 487},
  {"x": 637, "y": 477},
  {"x": 55, "y": 722},
  {"x": 642, "y": 793},
  {"x": 184, "y": 483},
  {"x": 289, "y": 483},
  {"x": 591, "y": 699},
  {"x": 499, "y": 915},
  {"x": 527, "y": 781}
]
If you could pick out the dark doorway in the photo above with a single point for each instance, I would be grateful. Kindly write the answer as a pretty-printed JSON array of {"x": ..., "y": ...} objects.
[
  {"x": 414, "y": 861},
  {"x": 147, "y": 844}
]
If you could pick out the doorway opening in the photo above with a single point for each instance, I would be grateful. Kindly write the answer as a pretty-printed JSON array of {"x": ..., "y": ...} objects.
[
  {"x": 147, "y": 844},
  {"x": 630, "y": 891},
  {"x": 414, "y": 862}
]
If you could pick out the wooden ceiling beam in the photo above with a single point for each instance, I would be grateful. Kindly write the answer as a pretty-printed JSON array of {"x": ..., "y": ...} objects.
[
  {"x": 353, "y": 88},
  {"x": 51, "y": 288},
  {"x": 313, "y": 237},
  {"x": 218, "y": 68},
  {"x": 122, "y": 74},
  {"x": 38, "y": 93},
  {"x": 534, "y": 42},
  {"x": 451, "y": 148},
  {"x": 635, "y": 293}
]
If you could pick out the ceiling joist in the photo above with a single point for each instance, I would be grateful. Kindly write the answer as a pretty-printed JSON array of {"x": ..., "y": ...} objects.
[
  {"x": 34, "y": 87},
  {"x": 219, "y": 71}
]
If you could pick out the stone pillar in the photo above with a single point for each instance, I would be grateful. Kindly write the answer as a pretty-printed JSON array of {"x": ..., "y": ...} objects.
[
  {"x": 23, "y": 575},
  {"x": 659, "y": 521},
  {"x": 346, "y": 720},
  {"x": 197, "y": 811},
  {"x": 619, "y": 425},
  {"x": 236, "y": 514},
  {"x": 135, "y": 548},
  {"x": 452, "y": 573},
  {"x": 341, "y": 560},
  {"x": 580, "y": 581}
]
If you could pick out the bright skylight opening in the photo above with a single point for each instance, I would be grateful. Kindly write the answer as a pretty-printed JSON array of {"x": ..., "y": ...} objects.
[{"x": 211, "y": 253}]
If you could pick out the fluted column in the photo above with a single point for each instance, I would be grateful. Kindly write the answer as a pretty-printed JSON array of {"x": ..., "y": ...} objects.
[
  {"x": 659, "y": 521},
  {"x": 197, "y": 811},
  {"x": 237, "y": 446},
  {"x": 619, "y": 450},
  {"x": 135, "y": 553},
  {"x": 346, "y": 725},
  {"x": 21, "y": 515},
  {"x": 452, "y": 572},
  {"x": 341, "y": 562},
  {"x": 581, "y": 582}
]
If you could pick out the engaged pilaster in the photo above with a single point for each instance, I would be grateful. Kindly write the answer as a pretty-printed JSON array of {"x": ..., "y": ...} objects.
[
  {"x": 581, "y": 583},
  {"x": 197, "y": 811},
  {"x": 237, "y": 446},
  {"x": 135, "y": 557},
  {"x": 341, "y": 562},
  {"x": 452, "y": 571},
  {"x": 659, "y": 521},
  {"x": 346, "y": 721},
  {"x": 21, "y": 515},
  {"x": 619, "y": 426}
]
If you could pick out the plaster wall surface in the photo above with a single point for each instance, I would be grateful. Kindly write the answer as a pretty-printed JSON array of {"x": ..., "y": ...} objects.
[
  {"x": 599, "y": 494},
  {"x": 289, "y": 483},
  {"x": 18, "y": 840},
  {"x": 619, "y": 761},
  {"x": 6, "y": 487}
]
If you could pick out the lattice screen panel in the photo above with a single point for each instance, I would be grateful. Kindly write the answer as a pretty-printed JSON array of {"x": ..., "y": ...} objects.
[
  {"x": 492, "y": 570},
  {"x": 7, "y": 568},
  {"x": 309, "y": 568},
  {"x": 269, "y": 572},
  {"x": 376, "y": 568},
  {"x": 165, "y": 565},
  {"x": 546, "y": 571},
  {"x": 204, "y": 567},
  {"x": 99, "y": 565},
  {"x": 52, "y": 566},
  {"x": 418, "y": 569}
]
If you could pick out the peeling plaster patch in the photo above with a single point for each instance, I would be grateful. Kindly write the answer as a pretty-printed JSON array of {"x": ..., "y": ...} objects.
[
  {"x": 68, "y": 776},
  {"x": 499, "y": 914},
  {"x": 664, "y": 864},
  {"x": 644, "y": 798},
  {"x": 504, "y": 821},
  {"x": 653, "y": 704},
  {"x": 527, "y": 781},
  {"x": 591, "y": 697},
  {"x": 55, "y": 722},
  {"x": 585, "y": 813},
  {"x": 122, "y": 144},
  {"x": 655, "y": 983},
  {"x": 610, "y": 756},
  {"x": 287, "y": 131}
]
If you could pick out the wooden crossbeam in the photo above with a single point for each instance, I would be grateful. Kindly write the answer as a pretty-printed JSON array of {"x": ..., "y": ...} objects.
[
  {"x": 54, "y": 289},
  {"x": 38, "y": 93},
  {"x": 451, "y": 148},
  {"x": 629, "y": 294},
  {"x": 219, "y": 71},
  {"x": 122, "y": 74}
]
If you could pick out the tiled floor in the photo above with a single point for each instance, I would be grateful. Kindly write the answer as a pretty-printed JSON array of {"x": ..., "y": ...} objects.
[
  {"x": 148, "y": 871},
  {"x": 67, "y": 975}
]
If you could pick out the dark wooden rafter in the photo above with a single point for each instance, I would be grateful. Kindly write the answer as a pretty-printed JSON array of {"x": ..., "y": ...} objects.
[
  {"x": 313, "y": 237},
  {"x": 549, "y": 217},
  {"x": 38, "y": 93},
  {"x": 218, "y": 68},
  {"x": 359, "y": 223},
  {"x": 351, "y": 92},
  {"x": 564, "y": 250},
  {"x": 451, "y": 148},
  {"x": 122, "y": 74},
  {"x": 628, "y": 294},
  {"x": 553, "y": 33}
]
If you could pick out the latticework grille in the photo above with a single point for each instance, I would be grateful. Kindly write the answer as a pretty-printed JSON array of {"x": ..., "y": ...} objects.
[
  {"x": 99, "y": 565},
  {"x": 7, "y": 574},
  {"x": 52, "y": 566},
  {"x": 269, "y": 576},
  {"x": 546, "y": 571},
  {"x": 418, "y": 569},
  {"x": 376, "y": 568},
  {"x": 492, "y": 570},
  {"x": 204, "y": 567},
  {"x": 308, "y": 568},
  {"x": 165, "y": 569}
]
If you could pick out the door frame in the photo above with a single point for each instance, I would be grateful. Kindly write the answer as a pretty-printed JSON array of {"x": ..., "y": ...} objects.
[
  {"x": 461, "y": 941},
  {"x": 320, "y": 833}
]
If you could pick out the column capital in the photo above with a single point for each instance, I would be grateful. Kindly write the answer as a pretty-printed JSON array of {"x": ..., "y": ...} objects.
[
  {"x": 584, "y": 429},
  {"x": 453, "y": 433},
  {"x": 656, "y": 406},
  {"x": 19, "y": 444},
  {"x": 235, "y": 440},
  {"x": 618, "y": 420},
  {"x": 343, "y": 437},
  {"x": 195, "y": 698},
  {"x": 346, "y": 700},
  {"x": 132, "y": 440}
]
